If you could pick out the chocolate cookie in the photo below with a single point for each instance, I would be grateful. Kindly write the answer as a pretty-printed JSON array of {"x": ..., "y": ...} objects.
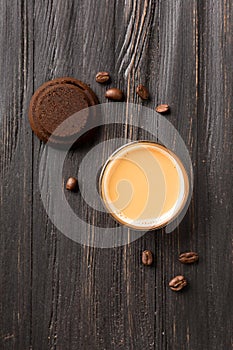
[{"x": 52, "y": 106}]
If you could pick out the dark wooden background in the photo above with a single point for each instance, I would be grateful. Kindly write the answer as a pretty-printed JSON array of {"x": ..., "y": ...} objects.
[{"x": 57, "y": 294}]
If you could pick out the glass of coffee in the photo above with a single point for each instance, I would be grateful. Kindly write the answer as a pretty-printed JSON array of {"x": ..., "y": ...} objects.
[{"x": 144, "y": 185}]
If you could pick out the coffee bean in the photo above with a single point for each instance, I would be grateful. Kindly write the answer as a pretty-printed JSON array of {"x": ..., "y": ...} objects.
[
  {"x": 147, "y": 257},
  {"x": 114, "y": 94},
  {"x": 102, "y": 77},
  {"x": 162, "y": 108},
  {"x": 177, "y": 283},
  {"x": 188, "y": 257},
  {"x": 142, "y": 92},
  {"x": 72, "y": 184}
]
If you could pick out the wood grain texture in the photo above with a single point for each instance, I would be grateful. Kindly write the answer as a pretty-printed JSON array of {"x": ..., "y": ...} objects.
[
  {"x": 16, "y": 71},
  {"x": 59, "y": 295}
]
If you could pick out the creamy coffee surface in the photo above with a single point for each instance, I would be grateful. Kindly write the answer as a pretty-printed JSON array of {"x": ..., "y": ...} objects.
[{"x": 143, "y": 185}]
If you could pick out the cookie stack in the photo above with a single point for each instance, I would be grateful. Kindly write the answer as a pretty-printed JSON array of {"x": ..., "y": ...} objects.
[{"x": 53, "y": 110}]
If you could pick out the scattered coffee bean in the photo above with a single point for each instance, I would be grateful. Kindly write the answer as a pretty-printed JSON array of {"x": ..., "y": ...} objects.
[
  {"x": 102, "y": 77},
  {"x": 188, "y": 257},
  {"x": 177, "y": 283},
  {"x": 142, "y": 92},
  {"x": 162, "y": 108},
  {"x": 72, "y": 184},
  {"x": 114, "y": 94},
  {"x": 147, "y": 257}
]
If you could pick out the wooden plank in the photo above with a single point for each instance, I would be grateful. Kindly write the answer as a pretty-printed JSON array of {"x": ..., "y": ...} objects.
[
  {"x": 177, "y": 85},
  {"x": 56, "y": 264},
  {"x": 214, "y": 169},
  {"x": 16, "y": 63}
]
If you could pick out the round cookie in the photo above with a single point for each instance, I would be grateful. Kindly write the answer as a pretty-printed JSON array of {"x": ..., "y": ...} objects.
[{"x": 52, "y": 105}]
